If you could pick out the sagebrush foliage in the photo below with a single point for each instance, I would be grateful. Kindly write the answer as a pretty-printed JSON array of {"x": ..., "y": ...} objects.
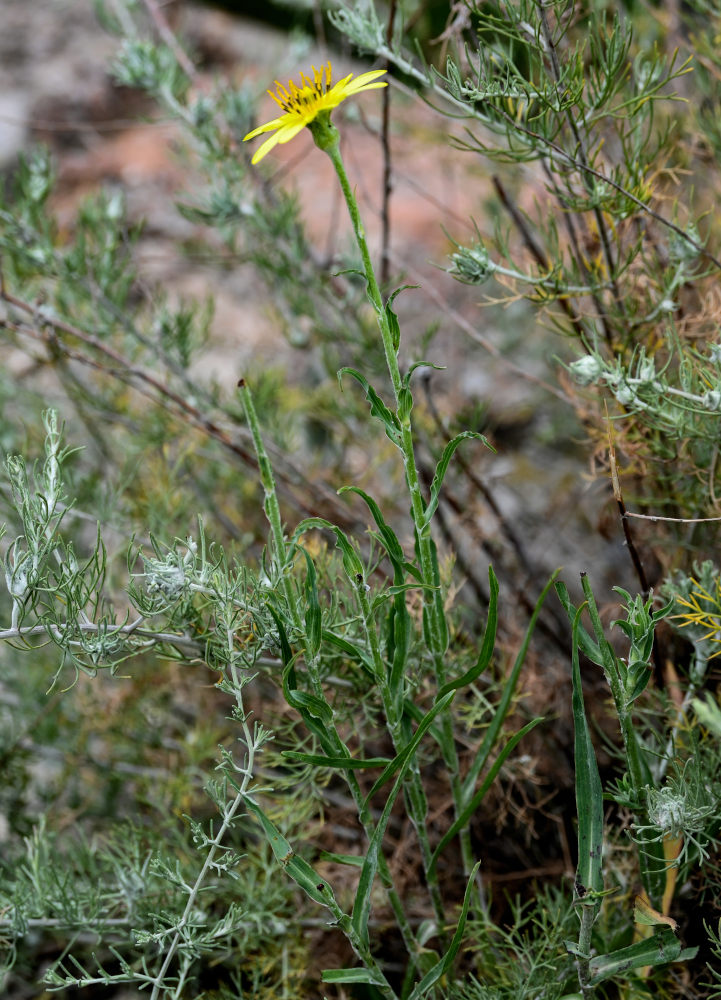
[{"x": 210, "y": 714}]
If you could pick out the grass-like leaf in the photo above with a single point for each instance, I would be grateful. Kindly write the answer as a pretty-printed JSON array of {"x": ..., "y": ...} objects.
[
  {"x": 297, "y": 868},
  {"x": 378, "y": 408},
  {"x": 361, "y": 906},
  {"x": 661, "y": 948},
  {"x": 589, "y": 793},
  {"x": 504, "y": 704},
  {"x": 442, "y": 966},
  {"x": 442, "y": 468},
  {"x": 471, "y": 806}
]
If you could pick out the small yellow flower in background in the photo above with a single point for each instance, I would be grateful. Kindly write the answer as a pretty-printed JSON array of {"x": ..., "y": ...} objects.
[
  {"x": 704, "y": 611},
  {"x": 302, "y": 105}
]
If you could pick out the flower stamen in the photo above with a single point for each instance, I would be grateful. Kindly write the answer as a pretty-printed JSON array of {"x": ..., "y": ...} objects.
[{"x": 302, "y": 105}]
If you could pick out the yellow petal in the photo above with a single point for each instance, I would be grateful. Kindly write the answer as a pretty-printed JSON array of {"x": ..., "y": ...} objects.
[
  {"x": 268, "y": 127},
  {"x": 265, "y": 148},
  {"x": 290, "y": 132}
]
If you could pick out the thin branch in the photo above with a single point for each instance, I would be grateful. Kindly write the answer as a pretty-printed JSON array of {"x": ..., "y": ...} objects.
[
  {"x": 152, "y": 388},
  {"x": 428, "y": 288},
  {"x": 599, "y": 175},
  {"x": 166, "y": 34},
  {"x": 583, "y": 157},
  {"x": 20, "y": 632},
  {"x": 410, "y": 70},
  {"x": 618, "y": 496},
  {"x": 569, "y": 223},
  {"x": 674, "y": 520},
  {"x": 534, "y": 249}
]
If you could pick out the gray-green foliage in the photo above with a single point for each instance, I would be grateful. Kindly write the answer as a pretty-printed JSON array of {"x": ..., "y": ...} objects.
[
  {"x": 356, "y": 644},
  {"x": 188, "y": 602},
  {"x": 612, "y": 246}
]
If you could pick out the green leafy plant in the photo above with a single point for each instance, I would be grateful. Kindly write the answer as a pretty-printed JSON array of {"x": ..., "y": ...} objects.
[{"x": 343, "y": 678}]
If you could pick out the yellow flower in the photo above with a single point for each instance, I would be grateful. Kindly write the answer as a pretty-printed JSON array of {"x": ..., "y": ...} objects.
[{"x": 301, "y": 105}]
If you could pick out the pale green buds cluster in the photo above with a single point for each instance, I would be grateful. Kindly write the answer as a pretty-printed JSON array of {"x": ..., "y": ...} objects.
[
  {"x": 471, "y": 265},
  {"x": 683, "y": 251},
  {"x": 711, "y": 400},
  {"x": 169, "y": 578},
  {"x": 638, "y": 385},
  {"x": 361, "y": 25},
  {"x": 587, "y": 370},
  {"x": 683, "y": 809}
]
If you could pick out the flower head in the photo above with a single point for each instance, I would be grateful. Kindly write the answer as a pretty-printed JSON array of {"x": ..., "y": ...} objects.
[{"x": 302, "y": 105}]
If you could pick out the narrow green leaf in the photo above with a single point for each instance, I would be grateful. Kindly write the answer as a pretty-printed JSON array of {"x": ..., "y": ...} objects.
[
  {"x": 639, "y": 676},
  {"x": 392, "y": 319},
  {"x": 313, "y": 618},
  {"x": 286, "y": 653},
  {"x": 347, "y": 647},
  {"x": 415, "y": 712},
  {"x": 350, "y": 270},
  {"x": 397, "y": 291},
  {"x": 434, "y": 974},
  {"x": 609, "y": 661},
  {"x": 589, "y": 648},
  {"x": 344, "y": 763},
  {"x": 398, "y": 630},
  {"x": 393, "y": 327},
  {"x": 317, "y": 714},
  {"x": 488, "y": 645},
  {"x": 387, "y": 536},
  {"x": 405, "y": 404},
  {"x": 361, "y": 906},
  {"x": 403, "y": 757},
  {"x": 589, "y": 793},
  {"x": 281, "y": 847},
  {"x": 475, "y": 802},
  {"x": 351, "y": 560},
  {"x": 441, "y": 617},
  {"x": 305, "y": 702},
  {"x": 353, "y": 860},
  {"x": 661, "y": 948},
  {"x": 651, "y": 859},
  {"x": 377, "y": 406},
  {"x": 492, "y": 733},
  {"x": 350, "y": 976},
  {"x": 299, "y": 870},
  {"x": 399, "y": 640},
  {"x": 442, "y": 468},
  {"x": 421, "y": 364},
  {"x": 402, "y": 589}
]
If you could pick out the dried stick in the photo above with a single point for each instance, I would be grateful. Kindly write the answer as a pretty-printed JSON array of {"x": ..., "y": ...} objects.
[
  {"x": 535, "y": 250},
  {"x": 618, "y": 496}
]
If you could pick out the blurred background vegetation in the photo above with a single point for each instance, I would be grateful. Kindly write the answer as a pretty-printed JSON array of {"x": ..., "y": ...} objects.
[{"x": 145, "y": 268}]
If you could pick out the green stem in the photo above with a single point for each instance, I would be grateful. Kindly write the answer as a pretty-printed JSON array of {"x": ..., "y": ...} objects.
[
  {"x": 326, "y": 137},
  {"x": 272, "y": 511},
  {"x": 414, "y": 793},
  {"x": 588, "y": 915},
  {"x": 391, "y": 354},
  {"x": 651, "y": 860},
  {"x": 270, "y": 504},
  {"x": 363, "y": 952},
  {"x": 630, "y": 740}
]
